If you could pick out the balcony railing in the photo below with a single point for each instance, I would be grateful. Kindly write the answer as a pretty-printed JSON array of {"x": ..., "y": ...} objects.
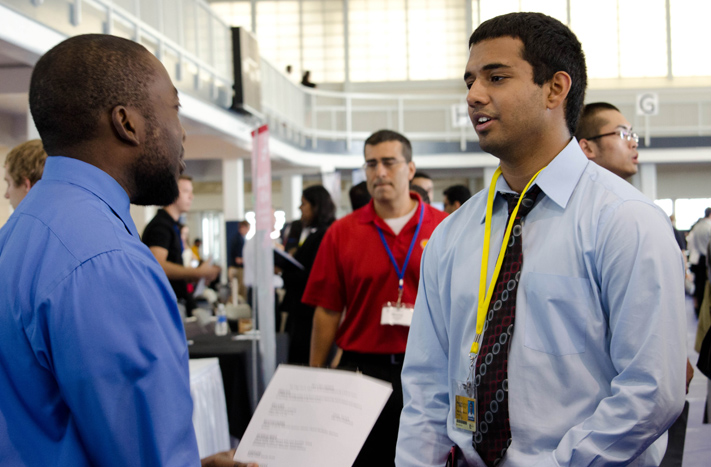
[
  {"x": 192, "y": 42},
  {"x": 195, "y": 46}
]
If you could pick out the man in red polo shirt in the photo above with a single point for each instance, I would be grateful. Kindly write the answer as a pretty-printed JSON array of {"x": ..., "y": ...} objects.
[{"x": 368, "y": 266}]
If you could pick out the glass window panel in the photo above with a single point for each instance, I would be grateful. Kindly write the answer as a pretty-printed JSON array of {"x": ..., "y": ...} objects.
[
  {"x": 688, "y": 211},
  {"x": 490, "y": 8},
  {"x": 689, "y": 31},
  {"x": 667, "y": 205},
  {"x": 431, "y": 47},
  {"x": 278, "y": 32},
  {"x": 558, "y": 9},
  {"x": 643, "y": 39},
  {"x": 588, "y": 21},
  {"x": 234, "y": 13},
  {"x": 377, "y": 31}
]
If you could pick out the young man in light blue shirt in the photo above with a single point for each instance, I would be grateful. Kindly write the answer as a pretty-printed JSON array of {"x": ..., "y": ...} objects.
[{"x": 596, "y": 354}]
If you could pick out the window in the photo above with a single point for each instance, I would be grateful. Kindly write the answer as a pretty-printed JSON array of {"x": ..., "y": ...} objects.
[
  {"x": 322, "y": 32},
  {"x": 377, "y": 40},
  {"x": 690, "y": 34},
  {"x": 396, "y": 40},
  {"x": 278, "y": 32},
  {"x": 234, "y": 13},
  {"x": 436, "y": 39}
]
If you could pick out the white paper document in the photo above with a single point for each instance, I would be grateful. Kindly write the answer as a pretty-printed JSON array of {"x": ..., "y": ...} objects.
[{"x": 311, "y": 417}]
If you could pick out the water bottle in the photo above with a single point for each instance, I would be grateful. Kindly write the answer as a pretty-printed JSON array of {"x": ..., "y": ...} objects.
[{"x": 222, "y": 328}]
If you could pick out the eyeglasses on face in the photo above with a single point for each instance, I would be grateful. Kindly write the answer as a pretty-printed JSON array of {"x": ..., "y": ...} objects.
[
  {"x": 625, "y": 135},
  {"x": 388, "y": 163}
]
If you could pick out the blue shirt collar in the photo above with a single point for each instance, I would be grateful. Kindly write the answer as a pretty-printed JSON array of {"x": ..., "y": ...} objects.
[
  {"x": 559, "y": 179},
  {"x": 95, "y": 180}
]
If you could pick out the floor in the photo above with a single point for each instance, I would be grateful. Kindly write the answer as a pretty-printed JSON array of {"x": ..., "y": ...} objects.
[{"x": 697, "y": 449}]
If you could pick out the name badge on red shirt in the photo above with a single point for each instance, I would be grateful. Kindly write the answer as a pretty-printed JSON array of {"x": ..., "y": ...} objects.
[{"x": 397, "y": 314}]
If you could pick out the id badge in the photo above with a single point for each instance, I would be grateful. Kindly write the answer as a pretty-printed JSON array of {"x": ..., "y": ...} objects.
[
  {"x": 397, "y": 314},
  {"x": 465, "y": 407}
]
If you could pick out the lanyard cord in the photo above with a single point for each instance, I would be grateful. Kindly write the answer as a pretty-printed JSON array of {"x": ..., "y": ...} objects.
[
  {"x": 401, "y": 273},
  {"x": 484, "y": 294}
]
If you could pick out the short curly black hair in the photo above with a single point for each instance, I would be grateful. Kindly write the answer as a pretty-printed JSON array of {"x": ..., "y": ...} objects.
[
  {"x": 549, "y": 46},
  {"x": 81, "y": 78}
]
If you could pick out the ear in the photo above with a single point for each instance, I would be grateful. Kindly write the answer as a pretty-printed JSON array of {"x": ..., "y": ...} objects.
[
  {"x": 457, "y": 205},
  {"x": 588, "y": 148},
  {"x": 124, "y": 121},
  {"x": 25, "y": 185},
  {"x": 412, "y": 170},
  {"x": 559, "y": 89}
]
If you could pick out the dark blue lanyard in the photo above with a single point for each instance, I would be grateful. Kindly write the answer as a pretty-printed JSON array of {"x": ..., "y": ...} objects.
[{"x": 401, "y": 272}]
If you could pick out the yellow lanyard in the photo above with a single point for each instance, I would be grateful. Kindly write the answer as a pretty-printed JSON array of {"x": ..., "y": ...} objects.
[{"x": 484, "y": 294}]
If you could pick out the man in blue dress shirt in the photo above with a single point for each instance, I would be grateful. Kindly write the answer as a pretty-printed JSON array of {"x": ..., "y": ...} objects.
[
  {"x": 93, "y": 358},
  {"x": 596, "y": 355}
]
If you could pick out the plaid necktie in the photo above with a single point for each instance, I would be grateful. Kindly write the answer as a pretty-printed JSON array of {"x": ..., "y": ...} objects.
[{"x": 493, "y": 435}]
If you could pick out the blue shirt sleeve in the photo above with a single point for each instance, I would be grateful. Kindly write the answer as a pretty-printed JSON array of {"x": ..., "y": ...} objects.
[{"x": 116, "y": 347}]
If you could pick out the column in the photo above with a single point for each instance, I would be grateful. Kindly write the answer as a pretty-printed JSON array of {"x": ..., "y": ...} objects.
[
  {"x": 233, "y": 189},
  {"x": 232, "y": 205},
  {"x": 32, "y": 132},
  {"x": 291, "y": 188},
  {"x": 648, "y": 180},
  {"x": 488, "y": 174}
]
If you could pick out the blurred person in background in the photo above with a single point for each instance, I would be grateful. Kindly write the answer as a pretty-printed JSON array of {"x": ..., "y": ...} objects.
[
  {"x": 23, "y": 168},
  {"x": 317, "y": 214},
  {"x": 424, "y": 181},
  {"x": 364, "y": 281},
  {"x": 454, "y": 197},
  {"x": 359, "y": 195},
  {"x": 162, "y": 236}
]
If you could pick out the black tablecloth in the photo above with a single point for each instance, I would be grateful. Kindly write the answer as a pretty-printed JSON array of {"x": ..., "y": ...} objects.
[{"x": 236, "y": 365}]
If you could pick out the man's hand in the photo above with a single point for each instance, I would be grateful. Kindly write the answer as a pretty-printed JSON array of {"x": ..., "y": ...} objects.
[
  {"x": 208, "y": 271},
  {"x": 224, "y": 459},
  {"x": 689, "y": 374}
]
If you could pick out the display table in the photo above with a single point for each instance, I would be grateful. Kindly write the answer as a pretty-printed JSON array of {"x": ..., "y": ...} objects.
[
  {"x": 235, "y": 358},
  {"x": 209, "y": 410}
]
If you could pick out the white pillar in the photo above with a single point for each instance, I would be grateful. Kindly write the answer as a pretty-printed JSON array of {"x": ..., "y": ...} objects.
[
  {"x": 233, "y": 189},
  {"x": 473, "y": 185},
  {"x": 648, "y": 180},
  {"x": 488, "y": 174},
  {"x": 291, "y": 188},
  {"x": 32, "y": 132}
]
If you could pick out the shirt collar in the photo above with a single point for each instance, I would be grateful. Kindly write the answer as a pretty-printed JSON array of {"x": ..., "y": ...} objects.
[
  {"x": 368, "y": 215},
  {"x": 559, "y": 179},
  {"x": 94, "y": 180}
]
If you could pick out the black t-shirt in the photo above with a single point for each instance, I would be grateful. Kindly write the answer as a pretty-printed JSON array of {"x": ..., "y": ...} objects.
[{"x": 164, "y": 231}]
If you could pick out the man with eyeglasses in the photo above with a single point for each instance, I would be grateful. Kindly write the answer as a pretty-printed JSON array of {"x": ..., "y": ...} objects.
[
  {"x": 368, "y": 267},
  {"x": 613, "y": 145},
  {"x": 606, "y": 138}
]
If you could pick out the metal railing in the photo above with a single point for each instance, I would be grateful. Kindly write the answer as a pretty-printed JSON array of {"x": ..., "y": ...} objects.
[
  {"x": 193, "y": 43},
  {"x": 195, "y": 46},
  {"x": 305, "y": 115}
]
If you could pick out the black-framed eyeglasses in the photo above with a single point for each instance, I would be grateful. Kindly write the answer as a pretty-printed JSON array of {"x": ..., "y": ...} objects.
[{"x": 624, "y": 134}]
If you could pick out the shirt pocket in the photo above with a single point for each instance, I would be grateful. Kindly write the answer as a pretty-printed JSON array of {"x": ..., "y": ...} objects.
[{"x": 557, "y": 313}]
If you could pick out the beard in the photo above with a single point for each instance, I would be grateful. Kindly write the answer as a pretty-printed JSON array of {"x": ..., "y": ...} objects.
[{"x": 155, "y": 172}]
